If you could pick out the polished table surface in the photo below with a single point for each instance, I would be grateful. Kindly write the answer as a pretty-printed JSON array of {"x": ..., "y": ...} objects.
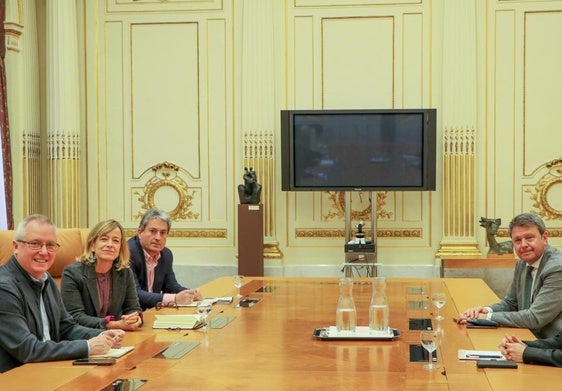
[
  {"x": 489, "y": 261},
  {"x": 271, "y": 345}
]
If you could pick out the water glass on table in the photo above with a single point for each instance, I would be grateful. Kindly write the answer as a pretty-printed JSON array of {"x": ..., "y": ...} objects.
[
  {"x": 204, "y": 308},
  {"x": 439, "y": 299},
  {"x": 238, "y": 282},
  {"x": 430, "y": 339}
]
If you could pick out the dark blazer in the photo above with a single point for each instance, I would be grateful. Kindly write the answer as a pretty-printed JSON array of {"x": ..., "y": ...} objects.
[
  {"x": 544, "y": 351},
  {"x": 544, "y": 317},
  {"x": 21, "y": 332},
  {"x": 164, "y": 276},
  {"x": 80, "y": 294}
]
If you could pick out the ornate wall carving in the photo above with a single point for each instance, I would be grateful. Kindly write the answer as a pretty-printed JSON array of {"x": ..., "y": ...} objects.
[
  {"x": 167, "y": 175},
  {"x": 340, "y": 233}
]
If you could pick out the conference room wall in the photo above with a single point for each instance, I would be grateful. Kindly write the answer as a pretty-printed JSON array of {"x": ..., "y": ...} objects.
[{"x": 176, "y": 98}]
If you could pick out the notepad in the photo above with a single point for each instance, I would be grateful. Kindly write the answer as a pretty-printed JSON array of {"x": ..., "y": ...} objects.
[
  {"x": 187, "y": 322},
  {"x": 114, "y": 353},
  {"x": 480, "y": 355}
]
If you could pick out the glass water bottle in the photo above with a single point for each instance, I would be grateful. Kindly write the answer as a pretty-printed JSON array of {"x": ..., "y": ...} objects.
[
  {"x": 378, "y": 308},
  {"x": 346, "y": 314}
]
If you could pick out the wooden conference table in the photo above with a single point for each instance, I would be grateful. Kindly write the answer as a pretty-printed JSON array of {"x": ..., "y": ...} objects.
[{"x": 271, "y": 345}]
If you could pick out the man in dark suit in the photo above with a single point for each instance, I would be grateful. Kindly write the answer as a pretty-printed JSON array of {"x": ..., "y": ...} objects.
[
  {"x": 546, "y": 351},
  {"x": 151, "y": 262}
]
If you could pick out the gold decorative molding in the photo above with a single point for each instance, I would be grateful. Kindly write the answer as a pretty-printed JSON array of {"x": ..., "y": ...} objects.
[
  {"x": 541, "y": 204},
  {"x": 199, "y": 233},
  {"x": 63, "y": 146},
  {"x": 360, "y": 205},
  {"x": 63, "y": 165},
  {"x": 188, "y": 233},
  {"x": 458, "y": 192},
  {"x": 502, "y": 233},
  {"x": 399, "y": 233},
  {"x": 552, "y": 233},
  {"x": 319, "y": 233},
  {"x": 272, "y": 251},
  {"x": 31, "y": 172},
  {"x": 166, "y": 175},
  {"x": 258, "y": 150},
  {"x": 340, "y": 233},
  {"x": 13, "y": 33},
  {"x": 458, "y": 250},
  {"x": 31, "y": 145}
]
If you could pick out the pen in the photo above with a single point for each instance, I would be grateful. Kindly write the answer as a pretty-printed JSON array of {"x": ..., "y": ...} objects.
[{"x": 482, "y": 356}]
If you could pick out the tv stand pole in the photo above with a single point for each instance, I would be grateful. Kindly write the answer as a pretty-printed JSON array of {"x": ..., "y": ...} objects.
[{"x": 360, "y": 253}]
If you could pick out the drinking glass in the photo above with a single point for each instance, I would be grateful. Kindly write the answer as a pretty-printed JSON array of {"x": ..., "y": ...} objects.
[
  {"x": 439, "y": 336},
  {"x": 238, "y": 282},
  {"x": 204, "y": 307},
  {"x": 430, "y": 340},
  {"x": 439, "y": 299}
]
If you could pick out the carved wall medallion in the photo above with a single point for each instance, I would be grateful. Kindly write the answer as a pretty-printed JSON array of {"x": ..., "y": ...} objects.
[
  {"x": 551, "y": 183},
  {"x": 360, "y": 205},
  {"x": 166, "y": 175}
]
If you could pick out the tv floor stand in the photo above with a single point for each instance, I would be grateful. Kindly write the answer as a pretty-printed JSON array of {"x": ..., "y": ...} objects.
[{"x": 360, "y": 252}]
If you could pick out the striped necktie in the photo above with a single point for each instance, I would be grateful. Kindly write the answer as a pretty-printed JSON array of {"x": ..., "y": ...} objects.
[{"x": 528, "y": 285}]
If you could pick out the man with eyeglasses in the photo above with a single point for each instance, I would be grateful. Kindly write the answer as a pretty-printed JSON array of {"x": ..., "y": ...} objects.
[
  {"x": 34, "y": 325},
  {"x": 151, "y": 262}
]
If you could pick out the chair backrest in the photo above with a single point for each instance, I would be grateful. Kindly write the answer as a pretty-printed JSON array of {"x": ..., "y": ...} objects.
[{"x": 72, "y": 242}]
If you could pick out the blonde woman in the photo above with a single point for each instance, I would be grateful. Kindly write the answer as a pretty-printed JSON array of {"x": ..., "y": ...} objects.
[{"x": 98, "y": 290}]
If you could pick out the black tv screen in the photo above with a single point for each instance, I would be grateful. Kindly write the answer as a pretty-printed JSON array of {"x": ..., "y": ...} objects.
[{"x": 358, "y": 149}]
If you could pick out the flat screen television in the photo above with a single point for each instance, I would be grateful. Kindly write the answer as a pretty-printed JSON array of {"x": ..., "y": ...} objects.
[{"x": 375, "y": 150}]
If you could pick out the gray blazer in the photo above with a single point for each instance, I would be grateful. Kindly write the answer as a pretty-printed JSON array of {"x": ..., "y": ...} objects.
[
  {"x": 544, "y": 316},
  {"x": 21, "y": 331},
  {"x": 80, "y": 294}
]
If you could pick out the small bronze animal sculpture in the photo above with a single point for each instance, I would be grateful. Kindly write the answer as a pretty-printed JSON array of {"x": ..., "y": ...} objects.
[{"x": 492, "y": 226}]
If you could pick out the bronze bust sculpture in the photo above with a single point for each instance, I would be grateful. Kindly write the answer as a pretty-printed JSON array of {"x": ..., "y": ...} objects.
[{"x": 250, "y": 191}]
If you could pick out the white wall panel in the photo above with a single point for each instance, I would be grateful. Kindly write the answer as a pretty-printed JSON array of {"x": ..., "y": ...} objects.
[
  {"x": 219, "y": 140},
  {"x": 109, "y": 148},
  {"x": 542, "y": 88},
  {"x": 506, "y": 114},
  {"x": 165, "y": 96},
  {"x": 359, "y": 75},
  {"x": 414, "y": 58}
]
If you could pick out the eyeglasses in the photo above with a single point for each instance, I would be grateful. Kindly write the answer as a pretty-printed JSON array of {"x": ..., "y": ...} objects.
[
  {"x": 197, "y": 326},
  {"x": 51, "y": 247},
  {"x": 170, "y": 304}
]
